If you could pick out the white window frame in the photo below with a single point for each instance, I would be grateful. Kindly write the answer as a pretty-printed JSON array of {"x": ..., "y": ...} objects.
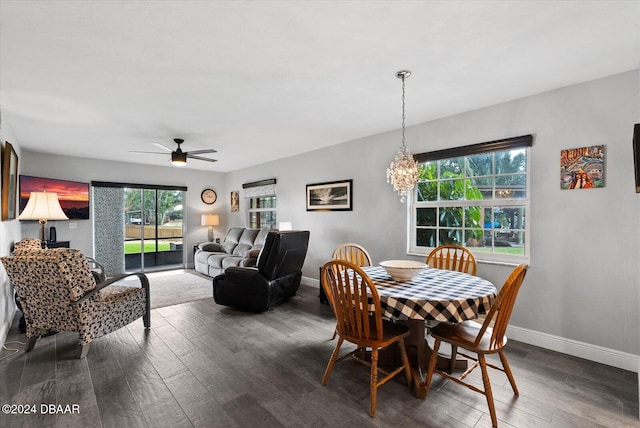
[
  {"x": 481, "y": 256},
  {"x": 256, "y": 190},
  {"x": 261, "y": 210}
]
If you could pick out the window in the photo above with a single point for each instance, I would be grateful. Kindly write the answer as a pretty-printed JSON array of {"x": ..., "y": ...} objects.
[
  {"x": 260, "y": 197},
  {"x": 262, "y": 212},
  {"x": 138, "y": 227},
  {"x": 476, "y": 196}
]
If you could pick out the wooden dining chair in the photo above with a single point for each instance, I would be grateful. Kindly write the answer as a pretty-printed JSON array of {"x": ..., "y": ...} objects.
[
  {"x": 353, "y": 253},
  {"x": 356, "y": 304},
  {"x": 481, "y": 339},
  {"x": 452, "y": 257}
]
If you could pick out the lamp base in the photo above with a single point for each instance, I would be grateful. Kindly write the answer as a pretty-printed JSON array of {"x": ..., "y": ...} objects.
[
  {"x": 210, "y": 234},
  {"x": 43, "y": 240}
]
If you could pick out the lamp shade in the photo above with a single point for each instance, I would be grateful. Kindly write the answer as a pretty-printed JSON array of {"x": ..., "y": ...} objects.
[
  {"x": 285, "y": 225},
  {"x": 210, "y": 220},
  {"x": 43, "y": 206}
]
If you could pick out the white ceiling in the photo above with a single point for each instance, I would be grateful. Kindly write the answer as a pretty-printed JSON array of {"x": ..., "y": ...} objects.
[{"x": 263, "y": 80}]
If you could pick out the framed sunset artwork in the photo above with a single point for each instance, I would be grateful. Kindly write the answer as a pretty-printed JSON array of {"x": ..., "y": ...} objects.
[{"x": 73, "y": 195}]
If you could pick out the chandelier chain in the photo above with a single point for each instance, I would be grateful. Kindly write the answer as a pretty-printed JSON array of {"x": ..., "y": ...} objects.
[{"x": 403, "y": 111}]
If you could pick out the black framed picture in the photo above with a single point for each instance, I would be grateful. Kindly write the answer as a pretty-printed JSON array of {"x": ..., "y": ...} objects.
[{"x": 331, "y": 196}]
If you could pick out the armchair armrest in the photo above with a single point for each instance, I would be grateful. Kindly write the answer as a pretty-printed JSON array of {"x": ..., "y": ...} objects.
[
  {"x": 242, "y": 275},
  {"x": 97, "y": 270},
  {"x": 144, "y": 282},
  {"x": 242, "y": 287}
]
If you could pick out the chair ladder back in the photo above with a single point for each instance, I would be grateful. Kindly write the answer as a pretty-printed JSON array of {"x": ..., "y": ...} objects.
[
  {"x": 349, "y": 291},
  {"x": 353, "y": 253},
  {"x": 452, "y": 257},
  {"x": 502, "y": 307}
]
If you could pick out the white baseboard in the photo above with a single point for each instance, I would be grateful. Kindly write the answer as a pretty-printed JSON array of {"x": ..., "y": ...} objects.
[
  {"x": 599, "y": 354},
  {"x": 310, "y": 282},
  {"x": 4, "y": 328}
]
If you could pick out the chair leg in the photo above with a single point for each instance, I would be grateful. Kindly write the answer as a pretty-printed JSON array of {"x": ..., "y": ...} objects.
[
  {"x": 487, "y": 389},
  {"x": 146, "y": 319},
  {"x": 507, "y": 370},
  {"x": 335, "y": 332},
  {"x": 454, "y": 355},
  {"x": 373, "y": 384},
  {"x": 432, "y": 365},
  {"x": 405, "y": 362},
  {"x": 30, "y": 343},
  {"x": 84, "y": 350},
  {"x": 332, "y": 361}
]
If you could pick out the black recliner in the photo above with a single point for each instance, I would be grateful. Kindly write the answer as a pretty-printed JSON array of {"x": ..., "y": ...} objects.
[{"x": 275, "y": 278}]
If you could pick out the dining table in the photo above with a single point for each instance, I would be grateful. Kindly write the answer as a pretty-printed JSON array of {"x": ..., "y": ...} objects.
[{"x": 434, "y": 295}]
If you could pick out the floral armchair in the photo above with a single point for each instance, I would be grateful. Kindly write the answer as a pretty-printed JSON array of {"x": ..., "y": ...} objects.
[{"x": 57, "y": 290}]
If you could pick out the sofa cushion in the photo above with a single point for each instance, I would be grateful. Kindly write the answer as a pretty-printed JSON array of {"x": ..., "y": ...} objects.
[
  {"x": 258, "y": 243},
  {"x": 232, "y": 261},
  {"x": 201, "y": 257},
  {"x": 242, "y": 250},
  {"x": 215, "y": 260},
  {"x": 228, "y": 247},
  {"x": 249, "y": 236},
  {"x": 234, "y": 234}
]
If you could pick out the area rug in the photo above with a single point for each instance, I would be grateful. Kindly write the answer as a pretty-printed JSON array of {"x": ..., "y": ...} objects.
[{"x": 174, "y": 287}]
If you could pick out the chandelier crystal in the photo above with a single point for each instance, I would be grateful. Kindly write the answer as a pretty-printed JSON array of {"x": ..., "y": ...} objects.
[{"x": 403, "y": 172}]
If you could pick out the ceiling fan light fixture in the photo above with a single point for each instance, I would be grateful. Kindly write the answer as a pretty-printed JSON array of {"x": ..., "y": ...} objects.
[{"x": 179, "y": 158}]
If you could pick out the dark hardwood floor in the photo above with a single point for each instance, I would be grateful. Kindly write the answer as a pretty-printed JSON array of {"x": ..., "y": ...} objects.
[{"x": 209, "y": 366}]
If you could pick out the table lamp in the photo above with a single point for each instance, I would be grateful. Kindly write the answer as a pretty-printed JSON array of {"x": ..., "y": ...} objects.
[
  {"x": 43, "y": 206},
  {"x": 210, "y": 220}
]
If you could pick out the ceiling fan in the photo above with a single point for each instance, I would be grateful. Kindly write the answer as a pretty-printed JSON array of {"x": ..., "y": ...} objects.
[{"x": 178, "y": 157}]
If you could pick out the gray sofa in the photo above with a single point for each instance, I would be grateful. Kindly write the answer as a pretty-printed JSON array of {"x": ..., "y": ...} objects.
[{"x": 240, "y": 247}]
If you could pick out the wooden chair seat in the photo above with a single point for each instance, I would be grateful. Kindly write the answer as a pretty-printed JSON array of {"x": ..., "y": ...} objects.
[
  {"x": 465, "y": 336},
  {"x": 390, "y": 333}
]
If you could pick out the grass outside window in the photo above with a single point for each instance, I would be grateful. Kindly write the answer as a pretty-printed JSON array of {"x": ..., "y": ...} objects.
[{"x": 149, "y": 247}]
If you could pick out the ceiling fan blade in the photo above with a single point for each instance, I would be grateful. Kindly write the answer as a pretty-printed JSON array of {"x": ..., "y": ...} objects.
[
  {"x": 201, "y": 158},
  {"x": 152, "y": 153},
  {"x": 162, "y": 146},
  {"x": 201, "y": 152}
]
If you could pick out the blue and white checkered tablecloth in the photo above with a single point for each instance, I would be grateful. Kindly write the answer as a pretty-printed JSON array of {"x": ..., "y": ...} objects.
[{"x": 435, "y": 294}]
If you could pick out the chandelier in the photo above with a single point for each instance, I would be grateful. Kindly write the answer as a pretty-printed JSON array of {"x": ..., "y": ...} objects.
[{"x": 403, "y": 172}]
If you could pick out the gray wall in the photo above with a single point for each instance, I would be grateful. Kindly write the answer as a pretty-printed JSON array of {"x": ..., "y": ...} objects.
[{"x": 583, "y": 278}]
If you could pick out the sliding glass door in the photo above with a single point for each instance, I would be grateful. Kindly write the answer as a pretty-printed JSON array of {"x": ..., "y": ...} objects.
[{"x": 153, "y": 229}]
